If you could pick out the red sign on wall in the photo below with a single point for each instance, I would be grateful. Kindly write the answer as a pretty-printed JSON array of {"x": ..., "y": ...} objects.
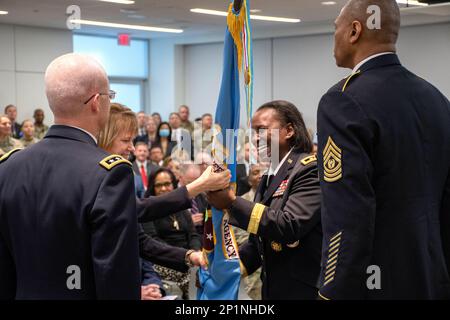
[{"x": 123, "y": 39}]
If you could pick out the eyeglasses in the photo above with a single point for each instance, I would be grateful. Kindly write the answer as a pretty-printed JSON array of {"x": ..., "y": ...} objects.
[
  {"x": 111, "y": 94},
  {"x": 164, "y": 184}
]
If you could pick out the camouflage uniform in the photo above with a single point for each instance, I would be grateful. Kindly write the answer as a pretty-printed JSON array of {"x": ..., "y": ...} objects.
[{"x": 9, "y": 144}]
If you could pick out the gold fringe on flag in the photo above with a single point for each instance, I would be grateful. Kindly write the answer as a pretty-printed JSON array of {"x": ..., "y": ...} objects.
[{"x": 235, "y": 25}]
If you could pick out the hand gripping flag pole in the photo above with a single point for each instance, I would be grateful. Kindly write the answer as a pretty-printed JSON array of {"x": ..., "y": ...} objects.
[{"x": 221, "y": 280}]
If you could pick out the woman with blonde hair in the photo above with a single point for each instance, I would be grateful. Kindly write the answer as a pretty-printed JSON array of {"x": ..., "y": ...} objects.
[
  {"x": 7, "y": 143},
  {"x": 117, "y": 138}
]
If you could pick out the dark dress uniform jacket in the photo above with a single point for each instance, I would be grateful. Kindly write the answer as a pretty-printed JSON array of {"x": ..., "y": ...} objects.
[
  {"x": 384, "y": 141},
  {"x": 153, "y": 208},
  {"x": 60, "y": 208},
  {"x": 286, "y": 236}
]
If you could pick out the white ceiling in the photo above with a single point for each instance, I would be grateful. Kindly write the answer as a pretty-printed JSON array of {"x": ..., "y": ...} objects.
[{"x": 176, "y": 14}]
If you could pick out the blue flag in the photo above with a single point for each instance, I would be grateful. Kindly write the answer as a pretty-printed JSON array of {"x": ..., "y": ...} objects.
[{"x": 221, "y": 280}]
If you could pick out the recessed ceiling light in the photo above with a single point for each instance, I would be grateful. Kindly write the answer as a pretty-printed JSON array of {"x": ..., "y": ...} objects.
[
  {"x": 124, "y": 26},
  {"x": 412, "y": 3},
  {"x": 252, "y": 16},
  {"x": 3, "y": 12},
  {"x": 119, "y": 1},
  {"x": 328, "y": 3}
]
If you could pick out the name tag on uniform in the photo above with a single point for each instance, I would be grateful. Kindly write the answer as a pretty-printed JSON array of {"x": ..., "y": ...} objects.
[{"x": 280, "y": 191}]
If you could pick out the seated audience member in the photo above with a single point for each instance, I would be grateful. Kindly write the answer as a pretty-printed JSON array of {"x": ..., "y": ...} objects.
[
  {"x": 157, "y": 118},
  {"x": 40, "y": 129},
  {"x": 175, "y": 124},
  {"x": 254, "y": 178},
  {"x": 207, "y": 121},
  {"x": 142, "y": 122},
  {"x": 177, "y": 229},
  {"x": 150, "y": 138},
  {"x": 174, "y": 166},
  {"x": 163, "y": 139},
  {"x": 190, "y": 172},
  {"x": 157, "y": 156},
  {"x": 181, "y": 136},
  {"x": 204, "y": 160},
  {"x": 11, "y": 113},
  {"x": 203, "y": 135},
  {"x": 151, "y": 285},
  {"x": 184, "y": 112},
  {"x": 141, "y": 166},
  {"x": 7, "y": 143},
  {"x": 28, "y": 137}
]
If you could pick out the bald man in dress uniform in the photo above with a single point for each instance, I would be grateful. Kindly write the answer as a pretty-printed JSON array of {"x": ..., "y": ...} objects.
[{"x": 68, "y": 211}]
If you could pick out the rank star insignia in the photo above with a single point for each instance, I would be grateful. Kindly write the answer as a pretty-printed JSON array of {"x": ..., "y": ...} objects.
[
  {"x": 113, "y": 160},
  {"x": 332, "y": 161},
  {"x": 209, "y": 236},
  {"x": 276, "y": 246}
]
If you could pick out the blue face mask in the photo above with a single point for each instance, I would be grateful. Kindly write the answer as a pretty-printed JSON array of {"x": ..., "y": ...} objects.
[{"x": 164, "y": 133}]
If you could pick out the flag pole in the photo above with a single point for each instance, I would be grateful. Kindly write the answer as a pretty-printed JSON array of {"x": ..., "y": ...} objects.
[{"x": 237, "y": 5}]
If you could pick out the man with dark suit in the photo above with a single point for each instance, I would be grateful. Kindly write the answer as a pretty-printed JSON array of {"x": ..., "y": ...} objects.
[
  {"x": 68, "y": 224},
  {"x": 141, "y": 166},
  {"x": 11, "y": 112},
  {"x": 384, "y": 162},
  {"x": 284, "y": 219}
]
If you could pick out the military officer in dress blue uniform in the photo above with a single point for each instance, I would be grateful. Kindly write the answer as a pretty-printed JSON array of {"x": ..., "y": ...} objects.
[
  {"x": 284, "y": 219},
  {"x": 384, "y": 162},
  {"x": 68, "y": 210}
]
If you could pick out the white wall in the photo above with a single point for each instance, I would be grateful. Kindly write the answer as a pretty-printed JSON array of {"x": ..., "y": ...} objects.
[
  {"x": 24, "y": 56},
  {"x": 203, "y": 72},
  {"x": 425, "y": 50},
  {"x": 304, "y": 69},
  {"x": 162, "y": 77},
  {"x": 301, "y": 69}
]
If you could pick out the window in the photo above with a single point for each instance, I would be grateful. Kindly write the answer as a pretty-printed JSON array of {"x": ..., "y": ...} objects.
[
  {"x": 129, "y": 93},
  {"x": 126, "y": 66}
]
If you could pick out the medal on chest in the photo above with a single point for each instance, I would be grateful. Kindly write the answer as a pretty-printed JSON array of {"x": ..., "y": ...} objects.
[{"x": 281, "y": 189}]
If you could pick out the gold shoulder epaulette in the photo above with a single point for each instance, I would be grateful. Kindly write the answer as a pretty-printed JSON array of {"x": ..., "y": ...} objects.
[
  {"x": 5, "y": 157},
  {"x": 308, "y": 160},
  {"x": 349, "y": 78},
  {"x": 113, "y": 160}
]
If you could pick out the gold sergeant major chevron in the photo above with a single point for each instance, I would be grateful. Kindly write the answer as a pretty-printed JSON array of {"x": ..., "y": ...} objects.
[{"x": 332, "y": 161}]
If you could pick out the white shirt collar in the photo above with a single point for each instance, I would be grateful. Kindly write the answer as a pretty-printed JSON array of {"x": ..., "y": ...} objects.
[
  {"x": 274, "y": 172},
  {"x": 90, "y": 134},
  {"x": 139, "y": 164},
  {"x": 359, "y": 65}
]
